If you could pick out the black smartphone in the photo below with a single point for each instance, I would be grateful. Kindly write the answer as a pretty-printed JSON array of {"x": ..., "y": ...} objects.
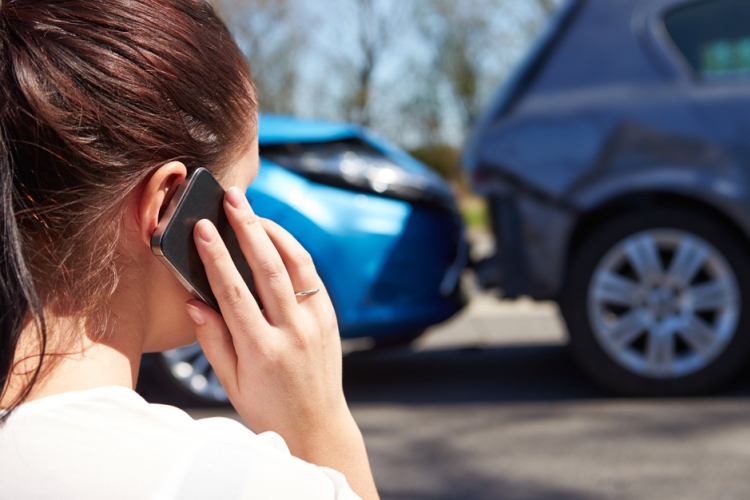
[{"x": 199, "y": 196}]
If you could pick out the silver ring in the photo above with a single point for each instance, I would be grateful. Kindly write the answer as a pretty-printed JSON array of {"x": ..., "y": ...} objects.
[{"x": 308, "y": 292}]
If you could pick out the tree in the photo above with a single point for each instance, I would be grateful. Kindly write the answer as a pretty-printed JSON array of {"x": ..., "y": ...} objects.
[
  {"x": 468, "y": 39},
  {"x": 473, "y": 45},
  {"x": 270, "y": 34},
  {"x": 376, "y": 24}
]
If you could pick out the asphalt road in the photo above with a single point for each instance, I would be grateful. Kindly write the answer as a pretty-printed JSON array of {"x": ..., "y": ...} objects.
[{"x": 490, "y": 406}]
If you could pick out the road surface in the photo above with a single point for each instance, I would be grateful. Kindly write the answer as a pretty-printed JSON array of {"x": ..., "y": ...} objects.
[{"x": 490, "y": 406}]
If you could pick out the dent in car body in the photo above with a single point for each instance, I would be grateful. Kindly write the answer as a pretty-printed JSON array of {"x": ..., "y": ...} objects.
[{"x": 604, "y": 119}]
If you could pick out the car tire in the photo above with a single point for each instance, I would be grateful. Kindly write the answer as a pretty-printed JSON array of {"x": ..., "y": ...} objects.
[{"x": 695, "y": 331}]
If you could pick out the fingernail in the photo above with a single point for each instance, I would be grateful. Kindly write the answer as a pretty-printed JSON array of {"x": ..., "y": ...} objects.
[
  {"x": 195, "y": 314},
  {"x": 206, "y": 231},
  {"x": 235, "y": 197}
]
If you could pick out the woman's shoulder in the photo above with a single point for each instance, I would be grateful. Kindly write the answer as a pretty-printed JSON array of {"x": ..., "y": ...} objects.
[
  {"x": 92, "y": 441},
  {"x": 115, "y": 410},
  {"x": 87, "y": 407}
]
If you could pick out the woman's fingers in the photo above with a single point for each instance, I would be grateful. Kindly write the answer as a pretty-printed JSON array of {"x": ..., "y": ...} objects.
[
  {"x": 271, "y": 277},
  {"x": 303, "y": 275},
  {"x": 298, "y": 262},
  {"x": 239, "y": 308},
  {"x": 216, "y": 341}
]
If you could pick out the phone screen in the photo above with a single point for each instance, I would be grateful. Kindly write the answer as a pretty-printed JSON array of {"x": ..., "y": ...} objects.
[{"x": 199, "y": 197}]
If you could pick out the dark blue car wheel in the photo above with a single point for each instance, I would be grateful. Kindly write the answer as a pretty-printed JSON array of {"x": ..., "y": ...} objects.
[{"x": 656, "y": 302}]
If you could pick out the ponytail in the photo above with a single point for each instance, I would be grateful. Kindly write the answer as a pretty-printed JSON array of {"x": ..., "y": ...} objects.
[{"x": 18, "y": 299}]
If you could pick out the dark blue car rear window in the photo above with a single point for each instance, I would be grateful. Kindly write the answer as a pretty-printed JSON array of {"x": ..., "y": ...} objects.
[{"x": 713, "y": 36}]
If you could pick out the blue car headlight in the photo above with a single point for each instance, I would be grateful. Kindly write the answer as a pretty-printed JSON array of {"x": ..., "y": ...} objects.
[{"x": 354, "y": 164}]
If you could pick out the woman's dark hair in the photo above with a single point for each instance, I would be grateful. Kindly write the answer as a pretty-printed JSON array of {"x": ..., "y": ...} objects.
[{"x": 94, "y": 96}]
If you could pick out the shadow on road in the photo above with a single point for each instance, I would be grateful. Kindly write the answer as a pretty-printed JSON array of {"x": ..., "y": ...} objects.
[
  {"x": 493, "y": 374},
  {"x": 523, "y": 373},
  {"x": 454, "y": 376}
]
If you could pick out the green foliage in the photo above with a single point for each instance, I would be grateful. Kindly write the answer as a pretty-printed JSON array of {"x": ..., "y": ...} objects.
[
  {"x": 444, "y": 159},
  {"x": 474, "y": 212}
]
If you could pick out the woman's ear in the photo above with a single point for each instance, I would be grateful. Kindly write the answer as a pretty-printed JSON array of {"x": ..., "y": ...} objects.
[{"x": 155, "y": 196}]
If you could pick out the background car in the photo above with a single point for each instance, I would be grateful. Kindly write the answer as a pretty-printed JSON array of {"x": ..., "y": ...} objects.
[
  {"x": 616, "y": 164},
  {"x": 383, "y": 229}
]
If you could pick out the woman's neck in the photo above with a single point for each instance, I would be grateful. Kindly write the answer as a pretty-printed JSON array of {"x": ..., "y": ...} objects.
[{"x": 85, "y": 362}]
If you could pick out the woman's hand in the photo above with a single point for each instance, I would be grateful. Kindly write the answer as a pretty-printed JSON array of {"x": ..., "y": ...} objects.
[{"x": 280, "y": 367}]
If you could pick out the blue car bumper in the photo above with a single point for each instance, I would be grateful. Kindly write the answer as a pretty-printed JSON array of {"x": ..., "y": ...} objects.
[{"x": 392, "y": 268}]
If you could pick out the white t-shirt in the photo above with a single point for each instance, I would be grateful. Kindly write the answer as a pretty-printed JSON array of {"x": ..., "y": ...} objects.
[{"x": 109, "y": 443}]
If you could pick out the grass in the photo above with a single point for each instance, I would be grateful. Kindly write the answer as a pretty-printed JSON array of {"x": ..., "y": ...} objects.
[{"x": 474, "y": 211}]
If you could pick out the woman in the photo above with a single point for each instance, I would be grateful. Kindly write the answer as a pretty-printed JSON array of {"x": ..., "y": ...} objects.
[{"x": 106, "y": 106}]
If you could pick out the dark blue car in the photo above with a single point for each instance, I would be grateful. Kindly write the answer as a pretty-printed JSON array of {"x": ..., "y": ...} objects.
[
  {"x": 383, "y": 229},
  {"x": 617, "y": 166}
]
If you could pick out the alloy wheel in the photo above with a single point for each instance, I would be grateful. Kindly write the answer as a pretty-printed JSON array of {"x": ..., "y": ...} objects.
[
  {"x": 190, "y": 369},
  {"x": 663, "y": 303}
]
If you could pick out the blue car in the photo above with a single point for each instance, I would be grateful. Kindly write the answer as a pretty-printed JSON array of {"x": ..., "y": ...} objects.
[{"x": 383, "y": 229}]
